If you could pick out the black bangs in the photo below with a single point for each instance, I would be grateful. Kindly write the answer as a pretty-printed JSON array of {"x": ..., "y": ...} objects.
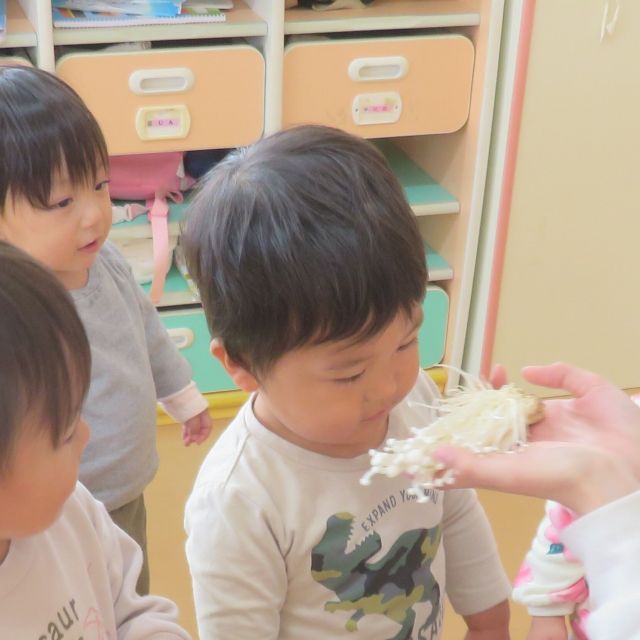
[{"x": 44, "y": 128}]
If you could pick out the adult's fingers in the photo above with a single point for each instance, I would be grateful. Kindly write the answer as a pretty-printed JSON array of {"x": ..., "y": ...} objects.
[
  {"x": 560, "y": 375},
  {"x": 498, "y": 376},
  {"x": 499, "y": 471}
]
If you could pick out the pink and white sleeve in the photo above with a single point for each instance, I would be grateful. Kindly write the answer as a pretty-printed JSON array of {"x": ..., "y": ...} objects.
[{"x": 550, "y": 581}]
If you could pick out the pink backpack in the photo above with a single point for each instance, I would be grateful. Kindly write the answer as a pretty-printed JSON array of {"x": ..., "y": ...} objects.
[{"x": 154, "y": 178}]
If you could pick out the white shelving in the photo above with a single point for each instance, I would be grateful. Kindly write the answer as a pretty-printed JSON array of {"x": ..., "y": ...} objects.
[
  {"x": 443, "y": 174},
  {"x": 383, "y": 15}
]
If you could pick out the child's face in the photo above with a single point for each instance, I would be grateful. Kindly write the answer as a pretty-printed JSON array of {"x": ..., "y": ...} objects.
[
  {"x": 335, "y": 398},
  {"x": 65, "y": 236},
  {"x": 40, "y": 479}
]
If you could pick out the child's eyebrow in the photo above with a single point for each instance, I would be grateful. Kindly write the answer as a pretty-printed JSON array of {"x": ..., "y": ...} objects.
[{"x": 347, "y": 364}]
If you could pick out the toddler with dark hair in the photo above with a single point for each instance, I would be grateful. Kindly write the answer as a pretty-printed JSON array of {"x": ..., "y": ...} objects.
[
  {"x": 55, "y": 205},
  {"x": 66, "y": 570},
  {"x": 312, "y": 274}
]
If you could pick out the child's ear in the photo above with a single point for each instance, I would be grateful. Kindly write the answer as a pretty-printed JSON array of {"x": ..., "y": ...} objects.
[{"x": 237, "y": 372}]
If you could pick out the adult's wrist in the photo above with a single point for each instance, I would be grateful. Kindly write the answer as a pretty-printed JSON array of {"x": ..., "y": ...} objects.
[{"x": 608, "y": 480}]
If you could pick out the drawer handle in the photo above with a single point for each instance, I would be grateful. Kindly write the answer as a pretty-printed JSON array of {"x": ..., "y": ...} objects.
[
  {"x": 150, "y": 82},
  {"x": 371, "y": 69},
  {"x": 182, "y": 337}
]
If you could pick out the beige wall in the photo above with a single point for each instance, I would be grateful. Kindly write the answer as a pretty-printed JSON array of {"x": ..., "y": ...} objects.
[{"x": 572, "y": 264}]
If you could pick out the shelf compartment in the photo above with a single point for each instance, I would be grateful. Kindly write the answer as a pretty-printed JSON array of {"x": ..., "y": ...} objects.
[
  {"x": 384, "y": 15},
  {"x": 139, "y": 227},
  {"x": 425, "y": 195},
  {"x": 176, "y": 291},
  {"x": 439, "y": 268},
  {"x": 241, "y": 22},
  {"x": 19, "y": 32}
]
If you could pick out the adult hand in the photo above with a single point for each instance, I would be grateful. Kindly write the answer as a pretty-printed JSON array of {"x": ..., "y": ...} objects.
[
  {"x": 578, "y": 476},
  {"x": 599, "y": 415},
  {"x": 584, "y": 453}
]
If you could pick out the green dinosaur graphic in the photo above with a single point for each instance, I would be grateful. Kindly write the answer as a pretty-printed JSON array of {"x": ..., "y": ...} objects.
[{"x": 390, "y": 586}]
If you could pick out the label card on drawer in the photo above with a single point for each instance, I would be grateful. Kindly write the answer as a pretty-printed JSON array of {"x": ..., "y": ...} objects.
[
  {"x": 377, "y": 108},
  {"x": 163, "y": 123}
]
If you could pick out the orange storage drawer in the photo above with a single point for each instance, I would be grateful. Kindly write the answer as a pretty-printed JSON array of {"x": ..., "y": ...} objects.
[
  {"x": 380, "y": 87},
  {"x": 172, "y": 99}
]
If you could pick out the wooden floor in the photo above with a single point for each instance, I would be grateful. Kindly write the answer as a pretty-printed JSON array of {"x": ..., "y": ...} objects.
[{"x": 514, "y": 521}]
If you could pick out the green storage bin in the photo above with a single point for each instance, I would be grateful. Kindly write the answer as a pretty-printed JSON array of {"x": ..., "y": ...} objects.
[
  {"x": 189, "y": 331},
  {"x": 433, "y": 332}
]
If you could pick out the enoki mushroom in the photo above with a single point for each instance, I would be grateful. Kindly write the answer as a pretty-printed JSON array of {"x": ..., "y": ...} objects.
[{"x": 474, "y": 416}]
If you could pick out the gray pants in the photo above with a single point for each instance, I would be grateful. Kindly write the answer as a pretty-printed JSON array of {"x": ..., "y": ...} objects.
[{"x": 132, "y": 518}]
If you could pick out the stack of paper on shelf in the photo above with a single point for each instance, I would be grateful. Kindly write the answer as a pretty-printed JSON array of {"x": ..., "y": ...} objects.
[
  {"x": 3, "y": 19},
  {"x": 116, "y": 13}
]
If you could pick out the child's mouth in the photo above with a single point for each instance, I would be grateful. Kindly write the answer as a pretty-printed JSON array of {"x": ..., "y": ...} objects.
[
  {"x": 92, "y": 247},
  {"x": 376, "y": 416}
]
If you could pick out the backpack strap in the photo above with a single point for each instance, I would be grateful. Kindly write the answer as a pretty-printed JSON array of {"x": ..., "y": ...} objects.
[{"x": 158, "y": 217}]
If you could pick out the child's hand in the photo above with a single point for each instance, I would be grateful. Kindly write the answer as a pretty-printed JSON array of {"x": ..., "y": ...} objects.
[
  {"x": 547, "y": 628},
  {"x": 490, "y": 624},
  {"x": 196, "y": 429}
]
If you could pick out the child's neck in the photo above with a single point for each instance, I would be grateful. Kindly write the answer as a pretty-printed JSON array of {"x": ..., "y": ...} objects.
[{"x": 73, "y": 279}]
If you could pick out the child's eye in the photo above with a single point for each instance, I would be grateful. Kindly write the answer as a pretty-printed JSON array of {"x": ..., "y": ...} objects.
[
  {"x": 61, "y": 204},
  {"x": 407, "y": 345},
  {"x": 350, "y": 379},
  {"x": 101, "y": 186}
]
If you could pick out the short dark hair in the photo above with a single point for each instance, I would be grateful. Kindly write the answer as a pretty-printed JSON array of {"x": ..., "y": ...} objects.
[
  {"x": 44, "y": 127},
  {"x": 45, "y": 361},
  {"x": 303, "y": 238}
]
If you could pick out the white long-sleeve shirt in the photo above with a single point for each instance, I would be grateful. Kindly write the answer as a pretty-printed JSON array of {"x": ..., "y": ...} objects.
[
  {"x": 77, "y": 581},
  {"x": 607, "y": 542}
]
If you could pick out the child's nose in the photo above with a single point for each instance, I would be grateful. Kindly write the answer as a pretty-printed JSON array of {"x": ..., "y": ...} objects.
[{"x": 93, "y": 213}]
